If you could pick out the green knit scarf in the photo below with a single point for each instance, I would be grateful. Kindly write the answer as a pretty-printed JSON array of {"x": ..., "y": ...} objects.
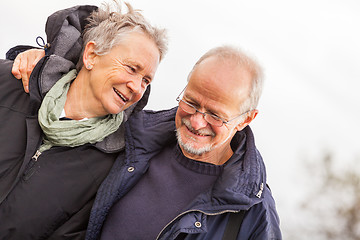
[{"x": 71, "y": 133}]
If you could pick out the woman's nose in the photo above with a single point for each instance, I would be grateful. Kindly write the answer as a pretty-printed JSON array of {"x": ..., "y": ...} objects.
[{"x": 135, "y": 84}]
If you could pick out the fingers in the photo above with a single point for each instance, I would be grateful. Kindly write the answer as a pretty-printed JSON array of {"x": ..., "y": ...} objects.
[
  {"x": 15, "y": 68},
  {"x": 25, "y": 83},
  {"x": 24, "y": 63},
  {"x": 25, "y": 73}
]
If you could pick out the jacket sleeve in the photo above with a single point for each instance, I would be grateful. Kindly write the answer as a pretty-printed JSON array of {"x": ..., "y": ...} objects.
[
  {"x": 14, "y": 51},
  {"x": 261, "y": 222}
]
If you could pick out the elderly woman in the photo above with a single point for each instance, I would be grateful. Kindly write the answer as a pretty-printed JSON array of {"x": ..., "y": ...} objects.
[{"x": 59, "y": 142}]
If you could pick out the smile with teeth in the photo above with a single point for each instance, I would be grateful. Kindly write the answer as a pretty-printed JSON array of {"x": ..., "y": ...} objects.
[
  {"x": 196, "y": 133},
  {"x": 120, "y": 95},
  {"x": 200, "y": 132}
]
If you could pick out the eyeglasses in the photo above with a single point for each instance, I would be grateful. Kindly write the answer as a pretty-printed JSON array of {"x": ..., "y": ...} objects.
[{"x": 210, "y": 118}]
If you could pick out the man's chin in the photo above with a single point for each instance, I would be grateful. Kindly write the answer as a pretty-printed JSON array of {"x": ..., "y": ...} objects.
[
  {"x": 190, "y": 148},
  {"x": 197, "y": 152}
]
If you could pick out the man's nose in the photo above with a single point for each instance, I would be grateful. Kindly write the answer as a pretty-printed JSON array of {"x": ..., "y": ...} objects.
[{"x": 198, "y": 121}]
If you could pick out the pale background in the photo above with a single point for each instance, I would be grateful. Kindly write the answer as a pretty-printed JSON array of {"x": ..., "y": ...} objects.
[{"x": 311, "y": 55}]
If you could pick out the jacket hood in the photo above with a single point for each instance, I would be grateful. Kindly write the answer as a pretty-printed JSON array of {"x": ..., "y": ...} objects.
[
  {"x": 243, "y": 178},
  {"x": 64, "y": 45}
]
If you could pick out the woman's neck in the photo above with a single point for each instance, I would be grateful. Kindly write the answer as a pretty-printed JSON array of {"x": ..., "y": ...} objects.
[{"x": 80, "y": 102}]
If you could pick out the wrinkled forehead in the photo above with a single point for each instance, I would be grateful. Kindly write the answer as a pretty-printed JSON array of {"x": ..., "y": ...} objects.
[{"x": 216, "y": 75}]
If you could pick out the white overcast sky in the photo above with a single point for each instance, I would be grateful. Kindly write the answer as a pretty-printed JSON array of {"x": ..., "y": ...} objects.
[{"x": 310, "y": 51}]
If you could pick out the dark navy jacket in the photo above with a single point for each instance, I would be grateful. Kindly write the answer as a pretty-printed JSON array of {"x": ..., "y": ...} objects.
[{"x": 241, "y": 186}]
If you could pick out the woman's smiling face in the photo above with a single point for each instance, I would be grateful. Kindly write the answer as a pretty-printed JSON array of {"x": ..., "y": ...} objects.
[{"x": 120, "y": 78}]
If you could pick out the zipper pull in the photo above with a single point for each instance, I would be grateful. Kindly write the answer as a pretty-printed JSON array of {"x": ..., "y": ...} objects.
[
  {"x": 36, "y": 155},
  {"x": 261, "y": 190},
  {"x": 31, "y": 167}
]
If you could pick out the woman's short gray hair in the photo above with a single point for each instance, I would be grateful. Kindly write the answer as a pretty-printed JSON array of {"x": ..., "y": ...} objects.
[
  {"x": 237, "y": 56},
  {"x": 107, "y": 27}
]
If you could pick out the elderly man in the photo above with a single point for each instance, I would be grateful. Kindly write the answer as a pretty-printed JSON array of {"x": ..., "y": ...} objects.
[{"x": 193, "y": 187}]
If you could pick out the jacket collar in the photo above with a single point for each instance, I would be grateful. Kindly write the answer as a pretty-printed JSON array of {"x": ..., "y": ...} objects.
[{"x": 239, "y": 186}]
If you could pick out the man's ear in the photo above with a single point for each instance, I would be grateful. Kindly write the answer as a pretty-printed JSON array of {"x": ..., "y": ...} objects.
[
  {"x": 89, "y": 55},
  {"x": 249, "y": 117}
]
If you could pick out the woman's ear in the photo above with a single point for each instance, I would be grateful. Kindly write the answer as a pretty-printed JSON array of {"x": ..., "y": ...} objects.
[
  {"x": 89, "y": 55},
  {"x": 249, "y": 117}
]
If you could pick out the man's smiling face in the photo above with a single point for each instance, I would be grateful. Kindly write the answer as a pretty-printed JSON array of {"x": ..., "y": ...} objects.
[{"x": 219, "y": 88}]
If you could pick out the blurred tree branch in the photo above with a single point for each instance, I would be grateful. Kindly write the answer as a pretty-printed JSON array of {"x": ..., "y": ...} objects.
[{"x": 334, "y": 202}]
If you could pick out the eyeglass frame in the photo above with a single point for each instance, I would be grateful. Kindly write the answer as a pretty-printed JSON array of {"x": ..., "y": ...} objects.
[{"x": 178, "y": 99}]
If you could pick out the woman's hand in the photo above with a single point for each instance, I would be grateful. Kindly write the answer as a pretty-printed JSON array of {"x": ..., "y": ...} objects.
[{"x": 24, "y": 63}]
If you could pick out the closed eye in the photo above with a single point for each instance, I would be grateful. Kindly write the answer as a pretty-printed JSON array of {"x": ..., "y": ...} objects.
[
  {"x": 146, "y": 81},
  {"x": 191, "y": 103},
  {"x": 131, "y": 69},
  {"x": 196, "y": 106},
  {"x": 213, "y": 114}
]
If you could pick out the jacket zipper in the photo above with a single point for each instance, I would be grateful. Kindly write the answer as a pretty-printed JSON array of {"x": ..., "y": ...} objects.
[
  {"x": 31, "y": 170},
  {"x": 194, "y": 210},
  {"x": 36, "y": 155},
  {"x": 260, "y": 191},
  {"x": 46, "y": 58}
]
